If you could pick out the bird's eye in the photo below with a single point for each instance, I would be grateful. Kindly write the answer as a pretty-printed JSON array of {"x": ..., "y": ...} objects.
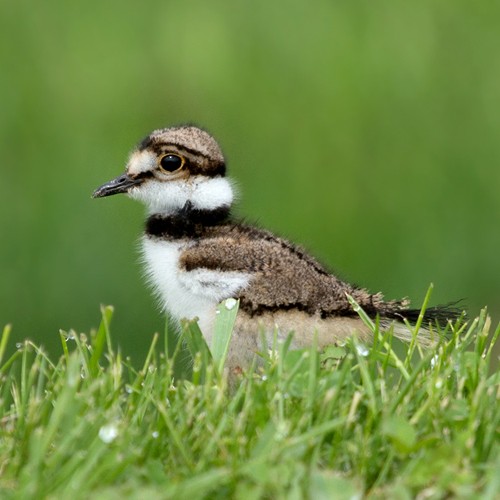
[{"x": 171, "y": 162}]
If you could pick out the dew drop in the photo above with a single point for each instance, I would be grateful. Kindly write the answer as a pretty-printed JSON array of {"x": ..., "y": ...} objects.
[
  {"x": 155, "y": 434},
  {"x": 230, "y": 303},
  {"x": 108, "y": 433},
  {"x": 362, "y": 350},
  {"x": 70, "y": 336},
  {"x": 434, "y": 360}
]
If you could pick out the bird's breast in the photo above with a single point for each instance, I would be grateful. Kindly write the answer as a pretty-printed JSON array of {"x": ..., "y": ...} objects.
[
  {"x": 161, "y": 260},
  {"x": 187, "y": 294}
]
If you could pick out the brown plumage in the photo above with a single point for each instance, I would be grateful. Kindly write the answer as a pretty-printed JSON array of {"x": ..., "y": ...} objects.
[{"x": 283, "y": 275}]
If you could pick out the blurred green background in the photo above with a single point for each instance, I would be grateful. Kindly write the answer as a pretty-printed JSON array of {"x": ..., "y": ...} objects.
[{"x": 366, "y": 131}]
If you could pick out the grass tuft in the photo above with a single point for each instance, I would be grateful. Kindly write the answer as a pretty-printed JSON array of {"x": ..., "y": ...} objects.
[{"x": 383, "y": 420}]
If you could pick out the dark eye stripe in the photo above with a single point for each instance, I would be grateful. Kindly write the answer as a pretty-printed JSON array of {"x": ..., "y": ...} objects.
[
  {"x": 194, "y": 161},
  {"x": 171, "y": 162}
]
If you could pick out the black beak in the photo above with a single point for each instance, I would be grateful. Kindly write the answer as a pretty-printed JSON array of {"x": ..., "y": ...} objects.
[{"x": 119, "y": 185}]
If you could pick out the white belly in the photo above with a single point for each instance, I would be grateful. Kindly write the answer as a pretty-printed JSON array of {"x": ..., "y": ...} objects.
[{"x": 189, "y": 295}]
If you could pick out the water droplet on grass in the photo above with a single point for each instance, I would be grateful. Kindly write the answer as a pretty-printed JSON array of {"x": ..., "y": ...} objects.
[
  {"x": 155, "y": 434},
  {"x": 362, "y": 350},
  {"x": 230, "y": 303},
  {"x": 108, "y": 433}
]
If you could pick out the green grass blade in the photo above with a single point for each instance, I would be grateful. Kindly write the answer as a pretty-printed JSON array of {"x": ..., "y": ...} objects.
[
  {"x": 100, "y": 340},
  {"x": 198, "y": 348},
  {"x": 223, "y": 330},
  {"x": 4, "y": 341}
]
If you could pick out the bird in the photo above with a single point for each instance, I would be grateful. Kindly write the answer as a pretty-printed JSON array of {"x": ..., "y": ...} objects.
[{"x": 197, "y": 254}]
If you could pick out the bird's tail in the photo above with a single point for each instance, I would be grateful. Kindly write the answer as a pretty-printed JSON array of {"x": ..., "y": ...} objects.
[
  {"x": 433, "y": 321},
  {"x": 439, "y": 315}
]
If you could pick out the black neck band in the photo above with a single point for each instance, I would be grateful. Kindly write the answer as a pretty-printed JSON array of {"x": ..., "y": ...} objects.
[{"x": 189, "y": 222}]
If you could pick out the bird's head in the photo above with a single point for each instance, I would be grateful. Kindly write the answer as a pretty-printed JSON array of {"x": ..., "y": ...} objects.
[{"x": 172, "y": 167}]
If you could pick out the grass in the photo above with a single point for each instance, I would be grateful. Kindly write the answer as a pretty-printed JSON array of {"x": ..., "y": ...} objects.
[{"x": 348, "y": 422}]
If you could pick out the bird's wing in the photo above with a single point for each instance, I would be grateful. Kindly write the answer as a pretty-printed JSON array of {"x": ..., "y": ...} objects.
[{"x": 263, "y": 273}]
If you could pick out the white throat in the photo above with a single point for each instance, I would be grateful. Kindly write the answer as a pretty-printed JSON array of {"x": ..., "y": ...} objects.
[{"x": 205, "y": 193}]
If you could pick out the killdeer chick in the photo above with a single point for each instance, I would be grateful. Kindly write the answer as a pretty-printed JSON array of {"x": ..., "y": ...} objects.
[{"x": 196, "y": 255}]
